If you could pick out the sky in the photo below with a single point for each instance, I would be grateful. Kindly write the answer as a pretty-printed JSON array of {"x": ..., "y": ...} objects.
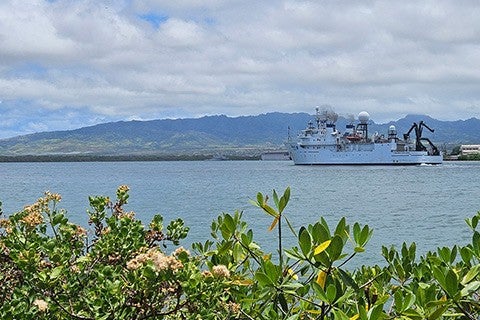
[{"x": 66, "y": 64}]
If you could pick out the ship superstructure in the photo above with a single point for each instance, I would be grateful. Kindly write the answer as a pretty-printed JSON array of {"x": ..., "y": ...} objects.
[{"x": 321, "y": 143}]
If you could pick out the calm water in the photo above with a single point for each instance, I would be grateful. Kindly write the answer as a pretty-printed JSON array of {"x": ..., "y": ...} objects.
[{"x": 425, "y": 204}]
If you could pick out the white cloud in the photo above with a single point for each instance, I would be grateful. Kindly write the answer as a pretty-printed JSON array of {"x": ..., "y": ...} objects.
[
  {"x": 27, "y": 32},
  {"x": 105, "y": 58},
  {"x": 180, "y": 33}
]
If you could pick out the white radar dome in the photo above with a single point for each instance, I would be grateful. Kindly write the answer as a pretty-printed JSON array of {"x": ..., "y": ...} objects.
[
  {"x": 363, "y": 117},
  {"x": 392, "y": 128}
]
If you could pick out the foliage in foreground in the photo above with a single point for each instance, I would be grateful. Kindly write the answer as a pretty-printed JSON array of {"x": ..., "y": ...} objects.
[{"x": 53, "y": 269}]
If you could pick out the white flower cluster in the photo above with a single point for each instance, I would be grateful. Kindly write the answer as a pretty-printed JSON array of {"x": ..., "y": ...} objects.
[{"x": 161, "y": 261}]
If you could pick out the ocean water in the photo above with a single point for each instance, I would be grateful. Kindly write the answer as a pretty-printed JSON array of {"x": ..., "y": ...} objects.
[{"x": 423, "y": 204}]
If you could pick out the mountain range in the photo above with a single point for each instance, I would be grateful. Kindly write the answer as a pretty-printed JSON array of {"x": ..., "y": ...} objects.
[{"x": 210, "y": 135}]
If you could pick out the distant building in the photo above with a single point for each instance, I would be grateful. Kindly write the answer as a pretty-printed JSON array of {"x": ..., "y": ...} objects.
[
  {"x": 467, "y": 149},
  {"x": 276, "y": 155}
]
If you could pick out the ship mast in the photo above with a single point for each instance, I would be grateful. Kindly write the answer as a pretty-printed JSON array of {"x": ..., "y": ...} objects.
[{"x": 362, "y": 127}]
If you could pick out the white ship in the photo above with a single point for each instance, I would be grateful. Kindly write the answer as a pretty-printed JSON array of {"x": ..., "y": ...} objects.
[{"x": 322, "y": 143}]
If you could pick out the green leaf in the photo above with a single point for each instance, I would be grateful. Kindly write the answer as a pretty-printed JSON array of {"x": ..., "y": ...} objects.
[
  {"x": 149, "y": 272},
  {"x": 447, "y": 255},
  {"x": 472, "y": 223},
  {"x": 362, "y": 312},
  {"x": 408, "y": 301},
  {"x": 348, "y": 279},
  {"x": 275, "y": 197},
  {"x": 237, "y": 252},
  {"x": 56, "y": 272},
  {"x": 439, "y": 276},
  {"x": 224, "y": 247},
  {"x": 284, "y": 200},
  {"x": 325, "y": 225},
  {"x": 270, "y": 210},
  {"x": 335, "y": 248},
  {"x": 470, "y": 288},
  {"x": 283, "y": 302},
  {"x": 375, "y": 312},
  {"x": 247, "y": 237},
  {"x": 331, "y": 293},
  {"x": 286, "y": 194},
  {"x": 319, "y": 233},
  {"x": 398, "y": 299},
  {"x": 272, "y": 271},
  {"x": 365, "y": 235},
  {"x": 412, "y": 314},
  {"x": 349, "y": 292},
  {"x": 57, "y": 218},
  {"x": 229, "y": 223},
  {"x": 451, "y": 282},
  {"x": 320, "y": 292},
  {"x": 399, "y": 269},
  {"x": 282, "y": 204},
  {"x": 466, "y": 254},
  {"x": 356, "y": 232},
  {"x": 83, "y": 259},
  {"x": 263, "y": 279},
  {"x": 476, "y": 243},
  {"x": 305, "y": 241},
  {"x": 453, "y": 254},
  {"x": 294, "y": 254},
  {"x": 437, "y": 313},
  {"x": 259, "y": 199},
  {"x": 341, "y": 227},
  {"x": 471, "y": 274},
  {"x": 250, "y": 235},
  {"x": 385, "y": 253},
  {"x": 41, "y": 275},
  {"x": 340, "y": 315},
  {"x": 411, "y": 251}
]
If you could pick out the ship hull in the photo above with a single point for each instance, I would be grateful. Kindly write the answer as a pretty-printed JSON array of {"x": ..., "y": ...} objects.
[{"x": 369, "y": 154}]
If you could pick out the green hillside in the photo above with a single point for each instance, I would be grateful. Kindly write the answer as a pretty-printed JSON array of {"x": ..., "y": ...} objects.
[{"x": 206, "y": 136}]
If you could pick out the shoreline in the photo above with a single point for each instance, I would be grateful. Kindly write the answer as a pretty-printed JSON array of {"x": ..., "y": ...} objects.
[{"x": 118, "y": 158}]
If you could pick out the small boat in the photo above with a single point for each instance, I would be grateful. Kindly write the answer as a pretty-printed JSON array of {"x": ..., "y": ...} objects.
[{"x": 275, "y": 156}]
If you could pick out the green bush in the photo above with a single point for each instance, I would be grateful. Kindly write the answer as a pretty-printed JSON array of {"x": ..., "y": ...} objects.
[{"x": 122, "y": 269}]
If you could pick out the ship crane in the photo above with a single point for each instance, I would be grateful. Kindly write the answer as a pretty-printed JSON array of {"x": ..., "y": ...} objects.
[{"x": 418, "y": 135}]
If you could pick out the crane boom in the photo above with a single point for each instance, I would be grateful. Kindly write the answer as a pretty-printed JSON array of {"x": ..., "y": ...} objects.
[{"x": 418, "y": 135}]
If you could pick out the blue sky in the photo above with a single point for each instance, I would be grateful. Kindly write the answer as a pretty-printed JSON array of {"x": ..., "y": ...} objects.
[{"x": 66, "y": 64}]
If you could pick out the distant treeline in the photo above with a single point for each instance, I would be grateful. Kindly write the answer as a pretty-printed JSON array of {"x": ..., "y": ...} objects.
[
  {"x": 470, "y": 157},
  {"x": 112, "y": 158}
]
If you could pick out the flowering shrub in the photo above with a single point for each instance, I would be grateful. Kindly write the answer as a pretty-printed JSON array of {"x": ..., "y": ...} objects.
[{"x": 51, "y": 268}]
